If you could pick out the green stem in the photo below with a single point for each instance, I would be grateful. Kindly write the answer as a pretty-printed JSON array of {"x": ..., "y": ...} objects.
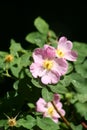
[{"x": 63, "y": 118}]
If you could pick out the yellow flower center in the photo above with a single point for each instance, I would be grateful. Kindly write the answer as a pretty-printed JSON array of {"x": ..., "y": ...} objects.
[
  {"x": 9, "y": 58},
  {"x": 12, "y": 122},
  {"x": 60, "y": 53},
  {"x": 50, "y": 111},
  {"x": 47, "y": 64}
]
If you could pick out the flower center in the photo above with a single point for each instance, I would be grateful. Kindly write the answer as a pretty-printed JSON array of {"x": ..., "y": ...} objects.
[
  {"x": 47, "y": 64},
  {"x": 50, "y": 111},
  {"x": 9, "y": 58},
  {"x": 12, "y": 122},
  {"x": 60, "y": 53}
]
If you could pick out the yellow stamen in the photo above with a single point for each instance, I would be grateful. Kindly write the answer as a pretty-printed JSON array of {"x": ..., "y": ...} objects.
[
  {"x": 60, "y": 53},
  {"x": 47, "y": 64},
  {"x": 9, "y": 58},
  {"x": 12, "y": 122},
  {"x": 50, "y": 111}
]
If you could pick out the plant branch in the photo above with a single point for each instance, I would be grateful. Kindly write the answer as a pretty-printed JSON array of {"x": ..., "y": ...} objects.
[{"x": 63, "y": 118}]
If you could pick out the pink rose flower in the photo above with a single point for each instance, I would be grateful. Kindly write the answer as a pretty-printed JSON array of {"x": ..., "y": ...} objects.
[
  {"x": 47, "y": 109},
  {"x": 64, "y": 50},
  {"x": 47, "y": 66}
]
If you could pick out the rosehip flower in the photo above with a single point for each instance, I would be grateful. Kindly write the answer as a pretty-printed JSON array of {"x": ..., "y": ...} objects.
[
  {"x": 64, "y": 50},
  {"x": 47, "y": 66},
  {"x": 47, "y": 109}
]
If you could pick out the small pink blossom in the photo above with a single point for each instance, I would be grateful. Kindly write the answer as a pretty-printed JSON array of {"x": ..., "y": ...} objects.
[
  {"x": 64, "y": 50},
  {"x": 47, "y": 109},
  {"x": 47, "y": 66}
]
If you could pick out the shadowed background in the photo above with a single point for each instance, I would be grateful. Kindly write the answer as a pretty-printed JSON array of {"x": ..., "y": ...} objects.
[{"x": 65, "y": 18}]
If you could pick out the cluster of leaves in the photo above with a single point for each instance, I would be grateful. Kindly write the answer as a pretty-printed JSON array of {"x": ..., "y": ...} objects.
[{"x": 22, "y": 90}]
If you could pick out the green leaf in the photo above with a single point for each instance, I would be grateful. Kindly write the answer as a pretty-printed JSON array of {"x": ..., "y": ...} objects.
[
  {"x": 81, "y": 97},
  {"x": 66, "y": 80},
  {"x": 76, "y": 127},
  {"x": 36, "y": 38},
  {"x": 80, "y": 84},
  {"x": 28, "y": 122},
  {"x": 59, "y": 88},
  {"x": 82, "y": 109},
  {"x": 81, "y": 50},
  {"x": 47, "y": 95},
  {"x": 24, "y": 61},
  {"x": 52, "y": 42},
  {"x": 16, "y": 47},
  {"x": 80, "y": 59},
  {"x": 31, "y": 105},
  {"x": 3, "y": 54},
  {"x": 36, "y": 83},
  {"x": 52, "y": 34},
  {"x": 28, "y": 73},
  {"x": 3, "y": 123},
  {"x": 82, "y": 69},
  {"x": 15, "y": 85},
  {"x": 41, "y": 25},
  {"x": 70, "y": 67},
  {"x": 47, "y": 124},
  {"x": 15, "y": 70}
]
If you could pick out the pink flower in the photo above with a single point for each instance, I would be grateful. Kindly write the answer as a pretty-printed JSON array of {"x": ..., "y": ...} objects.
[
  {"x": 47, "y": 109},
  {"x": 47, "y": 66},
  {"x": 64, "y": 50}
]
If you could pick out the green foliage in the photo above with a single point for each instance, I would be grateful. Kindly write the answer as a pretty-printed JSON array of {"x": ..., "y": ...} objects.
[
  {"x": 28, "y": 122},
  {"x": 20, "y": 91},
  {"x": 47, "y": 95},
  {"x": 46, "y": 124},
  {"x": 41, "y": 25}
]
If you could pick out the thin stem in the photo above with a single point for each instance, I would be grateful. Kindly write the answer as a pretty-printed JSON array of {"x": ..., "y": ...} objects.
[{"x": 63, "y": 118}]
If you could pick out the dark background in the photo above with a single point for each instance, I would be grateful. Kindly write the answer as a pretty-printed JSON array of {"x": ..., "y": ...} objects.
[{"x": 65, "y": 18}]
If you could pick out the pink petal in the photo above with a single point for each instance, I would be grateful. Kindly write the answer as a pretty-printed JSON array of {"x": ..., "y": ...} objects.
[
  {"x": 36, "y": 70},
  {"x": 56, "y": 98},
  {"x": 62, "y": 112},
  {"x": 62, "y": 39},
  {"x": 41, "y": 105},
  {"x": 64, "y": 44},
  {"x": 50, "y": 78},
  {"x": 55, "y": 119},
  {"x": 49, "y": 52},
  {"x": 71, "y": 56},
  {"x": 60, "y": 66},
  {"x": 54, "y": 114},
  {"x": 37, "y": 55},
  {"x": 59, "y": 105}
]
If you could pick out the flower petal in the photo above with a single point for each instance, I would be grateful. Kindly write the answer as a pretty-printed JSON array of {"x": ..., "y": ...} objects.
[
  {"x": 60, "y": 66},
  {"x": 49, "y": 52},
  {"x": 38, "y": 55},
  {"x": 64, "y": 44},
  {"x": 71, "y": 56},
  {"x": 36, "y": 70},
  {"x": 62, "y": 112},
  {"x": 56, "y": 98},
  {"x": 62, "y": 39},
  {"x": 55, "y": 119},
  {"x": 50, "y": 78},
  {"x": 41, "y": 105}
]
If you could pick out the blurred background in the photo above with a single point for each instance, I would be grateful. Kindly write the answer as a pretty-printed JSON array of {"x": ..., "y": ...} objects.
[{"x": 65, "y": 18}]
